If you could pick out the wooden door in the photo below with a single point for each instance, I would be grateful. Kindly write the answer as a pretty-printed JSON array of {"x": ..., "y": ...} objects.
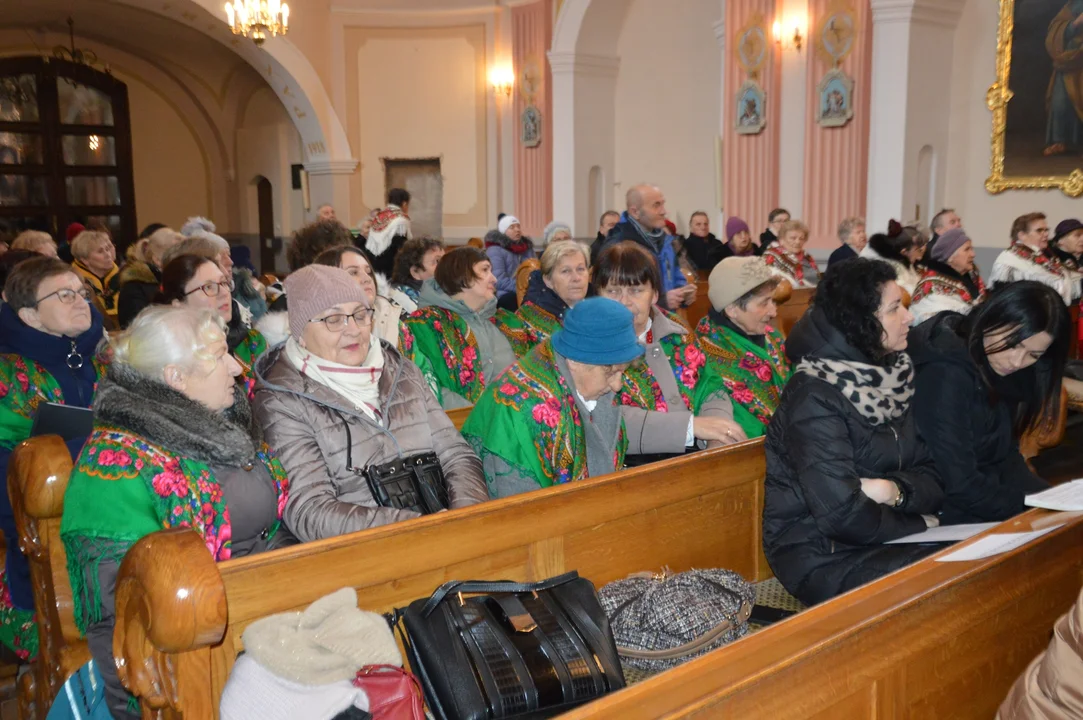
[
  {"x": 422, "y": 179},
  {"x": 265, "y": 205}
]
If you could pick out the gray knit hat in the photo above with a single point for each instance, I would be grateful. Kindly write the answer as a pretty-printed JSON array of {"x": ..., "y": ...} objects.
[
  {"x": 313, "y": 289},
  {"x": 947, "y": 244},
  {"x": 735, "y": 276}
]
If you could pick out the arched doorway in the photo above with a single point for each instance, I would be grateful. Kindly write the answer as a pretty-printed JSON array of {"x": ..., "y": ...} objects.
[{"x": 65, "y": 148}]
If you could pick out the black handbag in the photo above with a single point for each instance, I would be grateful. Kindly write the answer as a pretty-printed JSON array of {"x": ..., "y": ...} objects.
[
  {"x": 494, "y": 650},
  {"x": 413, "y": 483}
]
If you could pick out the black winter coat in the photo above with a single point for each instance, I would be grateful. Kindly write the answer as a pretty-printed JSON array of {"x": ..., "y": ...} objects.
[
  {"x": 821, "y": 534},
  {"x": 706, "y": 252},
  {"x": 969, "y": 434}
]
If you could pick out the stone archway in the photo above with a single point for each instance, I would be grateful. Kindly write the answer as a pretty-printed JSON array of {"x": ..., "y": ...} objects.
[{"x": 286, "y": 69}]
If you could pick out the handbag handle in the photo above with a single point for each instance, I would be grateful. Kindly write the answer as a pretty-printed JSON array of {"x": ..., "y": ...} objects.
[{"x": 501, "y": 586}]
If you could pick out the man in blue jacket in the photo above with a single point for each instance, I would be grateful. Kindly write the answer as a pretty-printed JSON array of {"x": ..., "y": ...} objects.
[{"x": 644, "y": 223}]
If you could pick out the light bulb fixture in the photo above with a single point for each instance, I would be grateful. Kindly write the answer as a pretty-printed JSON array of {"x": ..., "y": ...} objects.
[
  {"x": 796, "y": 41},
  {"x": 93, "y": 142},
  {"x": 502, "y": 79},
  {"x": 258, "y": 19}
]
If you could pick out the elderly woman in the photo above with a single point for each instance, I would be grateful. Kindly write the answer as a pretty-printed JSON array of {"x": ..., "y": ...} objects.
[
  {"x": 553, "y": 417},
  {"x": 847, "y": 470},
  {"x": 1028, "y": 258},
  {"x": 95, "y": 262},
  {"x": 787, "y": 258},
  {"x": 742, "y": 346},
  {"x": 197, "y": 282},
  {"x": 415, "y": 263},
  {"x": 983, "y": 380},
  {"x": 901, "y": 248},
  {"x": 1067, "y": 244},
  {"x": 140, "y": 279},
  {"x": 507, "y": 248},
  {"x": 35, "y": 241},
  {"x": 563, "y": 281},
  {"x": 386, "y": 313},
  {"x": 48, "y": 337},
  {"x": 951, "y": 281},
  {"x": 174, "y": 445},
  {"x": 343, "y": 409},
  {"x": 669, "y": 399},
  {"x": 556, "y": 231},
  {"x": 853, "y": 239},
  {"x": 453, "y": 337}
]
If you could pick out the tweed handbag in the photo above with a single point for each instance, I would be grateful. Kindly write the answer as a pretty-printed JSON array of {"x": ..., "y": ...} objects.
[{"x": 660, "y": 621}]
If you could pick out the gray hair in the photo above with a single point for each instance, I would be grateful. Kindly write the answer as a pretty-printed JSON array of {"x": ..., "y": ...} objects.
[
  {"x": 559, "y": 250},
  {"x": 847, "y": 227},
  {"x": 33, "y": 240},
  {"x": 160, "y": 241},
  {"x": 938, "y": 219},
  {"x": 200, "y": 246},
  {"x": 164, "y": 335}
]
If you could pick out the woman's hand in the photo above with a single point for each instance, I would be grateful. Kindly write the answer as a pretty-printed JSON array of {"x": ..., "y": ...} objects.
[
  {"x": 885, "y": 492},
  {"x": 721, "y": 430},
  {"x": 931, "y": 521}
]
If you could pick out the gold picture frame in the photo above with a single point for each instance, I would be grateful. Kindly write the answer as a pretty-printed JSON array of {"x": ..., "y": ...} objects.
[{"x": 997, "y": 99}]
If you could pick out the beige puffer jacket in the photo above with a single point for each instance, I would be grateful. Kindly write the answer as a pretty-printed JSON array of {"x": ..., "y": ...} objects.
[
  {"x": 305, "y": 423},
  {"x": 1051, "y": 688}
]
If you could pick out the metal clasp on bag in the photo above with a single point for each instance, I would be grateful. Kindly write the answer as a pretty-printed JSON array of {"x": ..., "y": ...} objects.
[{"x": 522, "y": 622}]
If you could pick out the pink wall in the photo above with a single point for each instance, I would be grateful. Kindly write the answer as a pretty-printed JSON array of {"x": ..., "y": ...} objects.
[
  {"x": 750, "y": 162},
  {"x": 532, "y": 32},
  {"x": 837, "y": 159}
]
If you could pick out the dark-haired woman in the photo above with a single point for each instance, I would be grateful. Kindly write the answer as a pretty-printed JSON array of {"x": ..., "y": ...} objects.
[
  {"x": 415, "y": 263},
  {"x": 846, "y": 468},
  {"x": 198, "y": 282},
  {"x": 453, "y": 338},
  {"x": 901, "y": 248},
  {"x": 982, "y": 380}
]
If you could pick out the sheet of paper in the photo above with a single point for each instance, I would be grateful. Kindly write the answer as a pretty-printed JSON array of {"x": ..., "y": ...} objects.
[
  {"x": 996, "y": 544},
  {"x": 945, "y": 533},
  {"x": 1067, "y": 496}
]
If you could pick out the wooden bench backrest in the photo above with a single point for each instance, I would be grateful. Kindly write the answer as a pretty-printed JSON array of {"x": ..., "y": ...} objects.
[
  {"x": 180, "y": 617},
  {"x": 522, "y": 277},
  {"x": 934, "y": 640},
  {"x": 37, "y": 478},
  {"x": 459, "y": 415},
  {"x": 791, "y": 311}
]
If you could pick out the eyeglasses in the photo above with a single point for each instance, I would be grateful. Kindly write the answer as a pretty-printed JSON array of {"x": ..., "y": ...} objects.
[
  {"x": 337, "y": 323},
  {"x": 212, "y": 289},
  {"x": 66, "y": 296}
]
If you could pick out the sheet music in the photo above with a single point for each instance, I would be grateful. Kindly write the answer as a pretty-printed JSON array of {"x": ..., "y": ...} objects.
[
  {"x": 945, "y": 533},
  {"x": 1066, "y": 497},
  {"x": 996, "y": 544}
]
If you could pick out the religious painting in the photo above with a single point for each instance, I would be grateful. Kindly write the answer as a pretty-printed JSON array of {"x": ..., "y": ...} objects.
[
  {"x": 836, "y": 93},
  {"x": 1037, "y": 100},
  {"x": 531, "y": 123},
  {"x": 751, "y": 109}
]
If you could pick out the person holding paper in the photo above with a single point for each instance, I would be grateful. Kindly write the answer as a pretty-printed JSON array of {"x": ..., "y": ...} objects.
[
  {"x": 846, "y": 469},
  {"x": 984, "y": 379}
]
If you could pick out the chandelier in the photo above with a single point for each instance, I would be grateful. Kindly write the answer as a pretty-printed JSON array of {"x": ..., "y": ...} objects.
[{"x": 258, "y": 19}]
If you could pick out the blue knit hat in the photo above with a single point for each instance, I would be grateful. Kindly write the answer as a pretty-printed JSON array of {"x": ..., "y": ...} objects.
[{"x": 598, "y": 331}]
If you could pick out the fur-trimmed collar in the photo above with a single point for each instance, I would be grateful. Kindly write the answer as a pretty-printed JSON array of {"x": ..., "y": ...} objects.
[
  {"x": 138, "y": 272},
  {"x": 132, "y": 401}
]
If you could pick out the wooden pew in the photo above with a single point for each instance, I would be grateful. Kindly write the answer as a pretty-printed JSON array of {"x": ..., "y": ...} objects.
[
  {"x": 37, "y": 478},
  {"x": 458, "y": 416},
  {"x": 180, "y": 616},
  {"x": 792, "y": 309},
  {"x": 933, "y": 640}
]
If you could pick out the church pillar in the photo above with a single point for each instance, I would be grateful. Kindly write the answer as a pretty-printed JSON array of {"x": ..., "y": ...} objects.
[
  {"x": 912, "y": 50},
  {"x": 329, "y": 183}
]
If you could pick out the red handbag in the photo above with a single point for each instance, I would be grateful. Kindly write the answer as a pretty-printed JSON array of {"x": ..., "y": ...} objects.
[{"x": 393, "y": 693}]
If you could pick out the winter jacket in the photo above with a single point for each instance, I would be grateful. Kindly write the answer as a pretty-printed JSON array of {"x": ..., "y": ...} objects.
[
  {"x": 504, "y": 261},
  {"x": 968, "y": 433},
  {"x": 1051, "y": 688},
  {"x": 666, "y": 256},
  {"x": 842, "y": 252},
  {"x": 325, "y": 444},
  {"x": 821, "y": 534},
  {"x": 138, "y": 285},
  {"x": 706, "y": 252}
]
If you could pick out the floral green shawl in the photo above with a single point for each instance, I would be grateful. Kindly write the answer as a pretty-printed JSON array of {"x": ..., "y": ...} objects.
[
  {"x": 123, "y": 488},
  {"x": 527, "y": 328},
  {"x": 754, "y": 376},
  {"x": 530, "y": 420},
  {"x": 440, "y": 343}
]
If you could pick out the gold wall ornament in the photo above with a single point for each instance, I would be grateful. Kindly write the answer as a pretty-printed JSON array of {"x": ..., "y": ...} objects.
[
  {"x": 752, "y": 47},
  {"x": 997, "y": 98},
  {"x": 836, "y": 33}
]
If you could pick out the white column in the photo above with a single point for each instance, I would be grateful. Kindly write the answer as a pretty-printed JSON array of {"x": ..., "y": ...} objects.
[
  {"x": 794, "y": 118},
  {"x": 329, "y": 182},
  {"x": 719, "y": 220},
  {"x": 912, "y": 47}
]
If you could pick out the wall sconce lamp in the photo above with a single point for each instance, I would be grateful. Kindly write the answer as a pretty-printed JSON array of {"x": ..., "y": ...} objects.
[
  {"x": 796, "y": 41},
  {"x": 502, "y": 79}
]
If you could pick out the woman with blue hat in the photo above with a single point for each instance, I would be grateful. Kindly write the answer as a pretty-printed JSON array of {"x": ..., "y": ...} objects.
[{"x": 553, "y": 417}]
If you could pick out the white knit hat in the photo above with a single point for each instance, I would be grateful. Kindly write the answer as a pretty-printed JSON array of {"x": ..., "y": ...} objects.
[{"x": 506, "y": 222}]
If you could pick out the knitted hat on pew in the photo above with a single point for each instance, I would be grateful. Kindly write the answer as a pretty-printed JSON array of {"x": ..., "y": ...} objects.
[
  {"x": 947, "y": 244},
  {"x": 315, "y": 288},
  {"x": 734, "y": 277},
  {"x": 598, "y": 331}
]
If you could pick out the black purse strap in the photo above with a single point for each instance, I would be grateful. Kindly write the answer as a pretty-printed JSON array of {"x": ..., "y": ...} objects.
[{"x": 503, "y": 586}]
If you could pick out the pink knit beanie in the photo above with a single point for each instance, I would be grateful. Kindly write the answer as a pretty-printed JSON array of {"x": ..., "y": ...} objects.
[{"x": 315, "y": 288}]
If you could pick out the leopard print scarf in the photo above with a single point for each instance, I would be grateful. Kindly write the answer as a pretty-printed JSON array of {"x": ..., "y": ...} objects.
[{"x": 880, "y": 394}]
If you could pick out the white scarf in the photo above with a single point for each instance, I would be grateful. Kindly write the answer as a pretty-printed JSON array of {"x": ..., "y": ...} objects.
[{"x": 359, "y": 385}]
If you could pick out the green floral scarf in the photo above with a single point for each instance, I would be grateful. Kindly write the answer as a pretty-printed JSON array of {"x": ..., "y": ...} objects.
[{"x": 527, "y": 328}]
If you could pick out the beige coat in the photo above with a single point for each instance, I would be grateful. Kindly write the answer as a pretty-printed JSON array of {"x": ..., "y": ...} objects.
[
  {"x": 306, "y": 424},
  {"x": 1051, "y": 688}
]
